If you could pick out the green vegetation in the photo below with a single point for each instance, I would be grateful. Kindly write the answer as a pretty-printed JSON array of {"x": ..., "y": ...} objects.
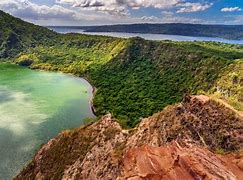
[
  {"x": 209, "y": 123},
  {"x": 17, "y": 35},
  {"x": 89, "y": 121},
  {"x": 229, "y": 86},
  {"x": 134, "y": 77},
  {"x": 110, "y": 133},
  {"x": 72, "y": 145}
]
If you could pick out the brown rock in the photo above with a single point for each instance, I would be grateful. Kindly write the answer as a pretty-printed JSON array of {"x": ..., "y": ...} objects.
[
  {"x": 240, "y": 164},
  {"x": 174, "y": 162},
  {"x": 175, "y": 144}
]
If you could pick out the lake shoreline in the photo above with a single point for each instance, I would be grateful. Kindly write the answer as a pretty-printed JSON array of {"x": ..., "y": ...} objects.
[
  {"x": 94, "y": 89},
  {"x": 43, "y": 101}
]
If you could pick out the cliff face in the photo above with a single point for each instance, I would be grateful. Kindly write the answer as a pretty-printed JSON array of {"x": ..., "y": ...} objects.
[
  {"x": 176, "y": 161},
  {"x": 178, "y": 143}
]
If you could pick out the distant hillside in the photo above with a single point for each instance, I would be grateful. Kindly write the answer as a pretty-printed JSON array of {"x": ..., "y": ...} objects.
[
  {"x": 17, "y": 35},
  {"x": 220, "y": 31}
]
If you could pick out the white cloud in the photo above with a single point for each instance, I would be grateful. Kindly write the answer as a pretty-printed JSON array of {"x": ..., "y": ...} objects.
[
  {"x": 59, "y": 15},
  {"x": 89, "y": 12},
  {"x": 27, "y": 9},
  {"x": 234, "y": 19},
  {"x": 149, "y": 18},
  {"x": 118, "y": 7},
  {"x": 231, "y": 9},
  {"x": 129, "y": 3},
  {"x": 65, "y": 1},
  {"x": 192, "y": 7},
  {"x": 111, "y": 10},
  {"x": 43, "y": 14},
  {"x": 171, "y": 18},
  {"x": 167, "y": 13},
  {"x": 238, "y": 19}
]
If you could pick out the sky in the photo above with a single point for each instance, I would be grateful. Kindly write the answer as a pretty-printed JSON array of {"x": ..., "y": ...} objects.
[{"x": 100, "y": 12}]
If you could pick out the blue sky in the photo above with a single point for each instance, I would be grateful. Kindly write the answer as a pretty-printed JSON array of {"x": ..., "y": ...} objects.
[{"x": 97, "y": 12}]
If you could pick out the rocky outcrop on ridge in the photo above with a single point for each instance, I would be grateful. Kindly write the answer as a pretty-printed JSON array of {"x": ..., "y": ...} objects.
[{"x": 181, "y": 142}]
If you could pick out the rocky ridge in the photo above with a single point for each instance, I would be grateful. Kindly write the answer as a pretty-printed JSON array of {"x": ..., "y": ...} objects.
[{"x": 177, "y": 143}]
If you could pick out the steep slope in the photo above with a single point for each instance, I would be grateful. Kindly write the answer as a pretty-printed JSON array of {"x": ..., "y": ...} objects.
[
  {"x": 147, "y": 76},
  {"x": 229, "y": 86},
  {"x": 134, "y": 78},
  {"x": 16, "y": 35},
  {"x": 170, "y": 144},
  {"x": 176, "y": 161}
]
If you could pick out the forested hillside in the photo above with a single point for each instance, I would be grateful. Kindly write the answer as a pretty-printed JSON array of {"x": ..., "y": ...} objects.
[
  {"x": 134, "y": 77},
  {"x": 16, "y": 35}
]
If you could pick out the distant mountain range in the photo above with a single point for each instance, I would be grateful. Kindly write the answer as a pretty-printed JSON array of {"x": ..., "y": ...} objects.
[{"x": 200, "y": 30}]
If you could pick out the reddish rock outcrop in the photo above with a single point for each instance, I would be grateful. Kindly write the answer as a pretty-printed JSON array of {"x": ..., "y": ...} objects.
[
  {"x": 174, "y": 162},
  {"x": 176, "y": 143}
]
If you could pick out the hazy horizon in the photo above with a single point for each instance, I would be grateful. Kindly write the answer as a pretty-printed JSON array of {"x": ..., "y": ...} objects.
[
  {"x": 138, "y": 24},
  {"x": 110, "y": 12}
]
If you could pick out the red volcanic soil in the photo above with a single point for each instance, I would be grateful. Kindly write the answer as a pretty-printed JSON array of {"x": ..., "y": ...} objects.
[
  {"x": 179, "y": 161},
  {"x": 181, "y": 142}
]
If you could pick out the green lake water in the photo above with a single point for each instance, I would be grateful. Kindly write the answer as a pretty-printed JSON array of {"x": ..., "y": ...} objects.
[{"x": 34, "y": 107}]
